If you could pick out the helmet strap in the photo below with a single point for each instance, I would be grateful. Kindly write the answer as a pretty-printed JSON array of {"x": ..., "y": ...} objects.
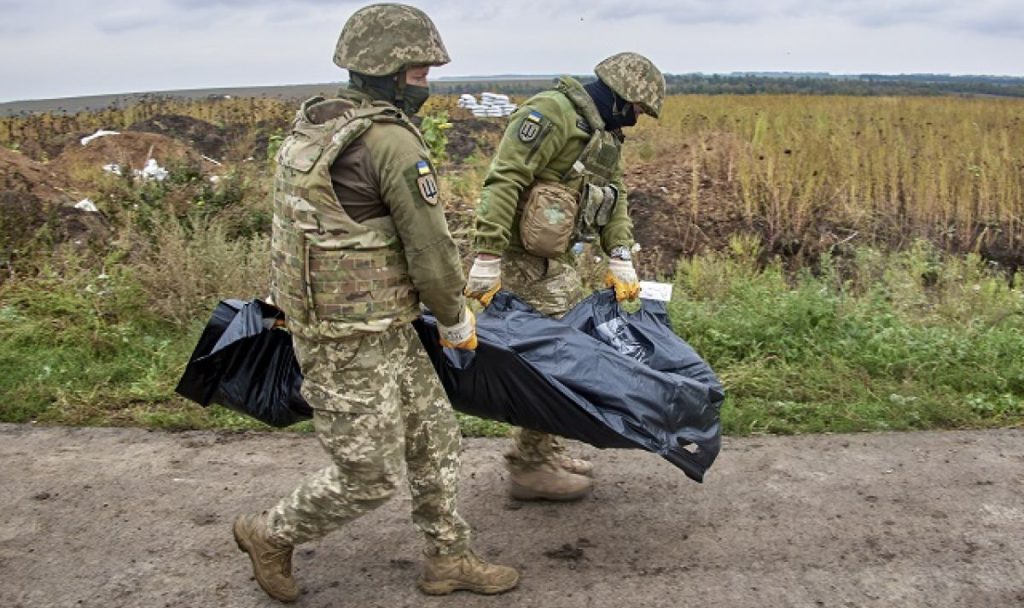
[{"x": 400, "y": 84}]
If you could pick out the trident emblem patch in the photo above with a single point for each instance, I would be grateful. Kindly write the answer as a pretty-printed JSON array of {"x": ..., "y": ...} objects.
[
  {"x": 530, "y": 127},
  {"x": 427, "y": 183}
]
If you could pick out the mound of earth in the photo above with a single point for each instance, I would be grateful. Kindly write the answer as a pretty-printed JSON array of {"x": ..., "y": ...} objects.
[
  {"x": 469, "y": 136},
  {"x": 37, "y": 209},
  {"x": 207, "y": 138},
  {"x": 671, "y": 220},
  {"x": 21, "y": 174},
  {"x": 129, "y": 150},
  {"x": 680, "y": 213}
]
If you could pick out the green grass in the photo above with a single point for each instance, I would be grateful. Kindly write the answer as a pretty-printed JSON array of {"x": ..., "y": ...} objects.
[
  {"x": 876, "y": 345},
  {"x": 81, "y": 349},
  {"x": 905, "y": 341}
]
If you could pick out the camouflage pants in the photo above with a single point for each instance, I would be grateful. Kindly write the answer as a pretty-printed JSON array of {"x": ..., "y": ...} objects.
[
  {"x": 378, "y": 403},
  {"x": 553, "y": 288}
]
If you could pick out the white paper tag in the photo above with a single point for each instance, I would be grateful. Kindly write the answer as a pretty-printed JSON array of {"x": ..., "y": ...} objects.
[{"x": 651, "y": 290}]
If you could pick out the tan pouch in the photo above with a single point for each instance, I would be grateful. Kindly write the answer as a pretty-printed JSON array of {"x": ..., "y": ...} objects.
[{"x": 549, "y": 219}]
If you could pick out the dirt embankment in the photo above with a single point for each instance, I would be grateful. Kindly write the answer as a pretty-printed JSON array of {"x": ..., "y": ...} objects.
[{"x": 37, "y": 210}]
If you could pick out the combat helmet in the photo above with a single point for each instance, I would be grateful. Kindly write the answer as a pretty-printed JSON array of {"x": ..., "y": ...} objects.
[
  {"x": 383, "y": 39},
  {"x": 634, "y": 78}
]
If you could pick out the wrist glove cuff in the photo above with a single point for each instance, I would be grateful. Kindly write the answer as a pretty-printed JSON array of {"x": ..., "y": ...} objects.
[
  {"x": 484, "y": 280},
  {"x": 462, "y": 334},
  {"x": 622, "y": 276}
]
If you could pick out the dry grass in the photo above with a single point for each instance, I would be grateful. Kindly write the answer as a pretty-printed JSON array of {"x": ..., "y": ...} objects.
[
  {"x": 950, "y": 169},
  {"x": 185, "y": 268}
]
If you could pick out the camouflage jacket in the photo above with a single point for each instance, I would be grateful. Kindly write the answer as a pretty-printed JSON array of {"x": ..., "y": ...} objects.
[
  {"x": 388, "y": 211},
  {"x": 564, "y": 131}
]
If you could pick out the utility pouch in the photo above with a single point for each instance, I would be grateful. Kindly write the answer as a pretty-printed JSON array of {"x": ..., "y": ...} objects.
[
  {"x": 598, "y": 203},
  {"x": 549, "y": 219}
]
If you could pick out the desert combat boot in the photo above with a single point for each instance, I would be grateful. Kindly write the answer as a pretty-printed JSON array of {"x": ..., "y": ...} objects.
[
  {"x": 271, "y": 562},
  {"x": 443, "y": 574},
  {"x": 548, "y": 482},
  {"x": 575, "y": 465},
  {"x": 562, "y": 458}
]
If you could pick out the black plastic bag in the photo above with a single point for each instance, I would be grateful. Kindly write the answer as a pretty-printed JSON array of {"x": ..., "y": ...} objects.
[
  {"x": 598, "y": 375},
  {"x": 245, "y": 363}
]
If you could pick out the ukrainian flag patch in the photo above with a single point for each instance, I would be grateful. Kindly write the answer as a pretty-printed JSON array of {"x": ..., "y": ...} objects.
[
  {"x": 530, "y": 127},
  {"x": 426, "y": 183}
]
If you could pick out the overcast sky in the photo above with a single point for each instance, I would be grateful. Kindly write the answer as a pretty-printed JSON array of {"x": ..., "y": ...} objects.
[{"x": 65, "y": 48}]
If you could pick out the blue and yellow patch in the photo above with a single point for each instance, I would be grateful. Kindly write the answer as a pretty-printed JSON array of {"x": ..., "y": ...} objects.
[
  {"x": 426, "y": 182},
  {"x": 531, "y": 126}
]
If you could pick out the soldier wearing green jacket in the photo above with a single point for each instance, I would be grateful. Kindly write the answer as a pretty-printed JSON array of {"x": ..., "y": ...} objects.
[
  {"x": 556, "y": 180},
  {"x": 359, "y": 241}
]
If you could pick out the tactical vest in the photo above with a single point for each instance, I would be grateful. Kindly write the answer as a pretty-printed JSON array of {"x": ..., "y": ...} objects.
[
  {"x": 330, "y": 273},
  {"x": 591, "y": 175}
]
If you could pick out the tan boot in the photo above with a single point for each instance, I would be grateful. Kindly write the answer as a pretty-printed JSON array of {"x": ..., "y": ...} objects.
[
  {"x": 271, "y": 562},
  {"x": 443, "y": 574},
  {"x": 575, "y": 465},
  {"x": 548, "y": 482}
]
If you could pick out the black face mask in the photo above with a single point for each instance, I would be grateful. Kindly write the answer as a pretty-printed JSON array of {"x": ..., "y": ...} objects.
[
  {"x": 615, "y": 111},
  {"x": 625, "y": 115},
  {"x": 408, "y": 98},
  {"x": 414, "y": 98}
]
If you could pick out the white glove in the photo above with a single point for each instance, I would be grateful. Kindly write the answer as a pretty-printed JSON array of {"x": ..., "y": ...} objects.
[
  {"x": 622, "y": 276},
  {"x": 462, "y": 335},
  {"x": 484, "y": 279}
]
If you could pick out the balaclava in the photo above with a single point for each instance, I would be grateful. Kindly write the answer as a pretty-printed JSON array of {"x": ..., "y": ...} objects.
[
  {"x": 392, "y": 89},
  {"x": 615, "y": 111}
]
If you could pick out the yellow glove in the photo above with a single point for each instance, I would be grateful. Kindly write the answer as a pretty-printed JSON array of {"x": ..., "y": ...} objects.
[
  {"x": 484, "y": 279},
  {"x": 462, "y": 335},
  {"x": 622, "y": 276}
]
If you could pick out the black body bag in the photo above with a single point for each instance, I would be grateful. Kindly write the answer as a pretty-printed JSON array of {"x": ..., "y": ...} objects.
[
  {"x": 598, "y": 375},
  {"x": 245, "y": 363}
]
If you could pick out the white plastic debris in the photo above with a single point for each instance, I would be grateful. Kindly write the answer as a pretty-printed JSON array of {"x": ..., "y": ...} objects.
[
  {"x": 87, "y": 205},
  {"x": 101, "y": 133},
  {"x": 651, "y": 290},
  {"x": 215, "y": 178},
  {"x": 153, "y": 171},
  {"x": 490, "y": 105},
  {"x": 112, "y": 168}
]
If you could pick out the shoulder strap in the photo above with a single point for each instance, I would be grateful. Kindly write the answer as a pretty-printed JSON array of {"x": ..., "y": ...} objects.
[{"x": 581, "y": 101}]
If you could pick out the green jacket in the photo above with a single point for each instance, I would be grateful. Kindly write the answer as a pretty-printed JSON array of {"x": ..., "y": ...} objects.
[
  {"x": 565, "y": 130},
  {"x": 366, "y": 275}
]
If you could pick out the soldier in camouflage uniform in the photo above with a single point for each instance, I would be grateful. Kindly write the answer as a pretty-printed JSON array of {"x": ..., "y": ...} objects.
[
  {"x": 359, "y": 240},
  {"x": 556, "y": 180}
]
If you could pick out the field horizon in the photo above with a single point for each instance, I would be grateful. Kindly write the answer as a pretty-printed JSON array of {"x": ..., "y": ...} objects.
[{"x": 761, "y": 81}]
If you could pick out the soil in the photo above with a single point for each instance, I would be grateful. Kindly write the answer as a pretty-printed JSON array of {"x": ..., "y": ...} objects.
[
  {"x": 19, "y": 173},
  {"x": 675, "y": 213},
  {"x": 83, "y": 165},
  {"x": 130, "y": 518},
  {"x": 206, "y": 138},
  {"x": 678, "y": 214},
  {"x": 471, "y": 136},
  {"x": 33, "y": 198}
]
